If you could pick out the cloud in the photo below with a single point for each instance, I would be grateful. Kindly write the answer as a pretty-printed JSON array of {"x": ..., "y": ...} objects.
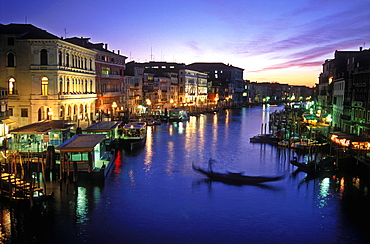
[
  {"x": 194, "y": 46},
  {"x": 314, "y": 40}
]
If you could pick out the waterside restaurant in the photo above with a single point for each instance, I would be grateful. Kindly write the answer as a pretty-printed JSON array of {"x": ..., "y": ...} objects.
[
  {"x": 38, "y": 136},
  {"x": 82, "y": 153},
  {"x": 359, "y": 146}
]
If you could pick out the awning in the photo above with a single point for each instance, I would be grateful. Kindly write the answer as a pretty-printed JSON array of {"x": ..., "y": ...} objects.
[{"x": 8, "y": 121}]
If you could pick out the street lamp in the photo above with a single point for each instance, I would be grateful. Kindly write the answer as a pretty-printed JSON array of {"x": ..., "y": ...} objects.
[
  {"x": 50, "y": 114},
  {"x": 114, "y": 107}
]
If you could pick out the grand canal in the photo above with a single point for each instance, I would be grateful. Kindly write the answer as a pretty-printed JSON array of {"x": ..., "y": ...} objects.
[{"x": 154, "y": 196}]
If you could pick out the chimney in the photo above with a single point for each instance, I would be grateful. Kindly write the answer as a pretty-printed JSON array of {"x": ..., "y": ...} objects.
[
  {"x": 118, "y": 51},
  {"x": 106, "y": 46},
  {"x": 360, "y": 49}
]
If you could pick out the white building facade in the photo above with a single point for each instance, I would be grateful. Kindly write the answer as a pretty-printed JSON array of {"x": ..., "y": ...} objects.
[{"x": 46, "y": 77}]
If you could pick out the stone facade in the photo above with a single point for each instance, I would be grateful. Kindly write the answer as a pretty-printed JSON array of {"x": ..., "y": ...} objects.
[{"x": 46, "y": 77}]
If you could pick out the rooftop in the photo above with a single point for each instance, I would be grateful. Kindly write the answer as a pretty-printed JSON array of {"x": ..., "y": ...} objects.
[
  {"x": 103, "y": 126},
  {"x": 43, "y": 127},
  {"x": 81, "y": 143}
]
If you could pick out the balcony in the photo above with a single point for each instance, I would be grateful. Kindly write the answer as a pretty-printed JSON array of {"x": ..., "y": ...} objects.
[
  {"x": 111, "y": 76},
  {"x": 78, "y": 96},
  {"x": 64, "y": 68}
]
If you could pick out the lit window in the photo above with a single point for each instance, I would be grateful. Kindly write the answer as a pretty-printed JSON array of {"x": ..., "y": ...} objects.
[
  {"x": 11, "y": 86},
  {"x": 44, "y": 86}
]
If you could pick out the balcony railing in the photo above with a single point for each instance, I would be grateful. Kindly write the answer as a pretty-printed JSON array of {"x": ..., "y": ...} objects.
[{"x": 64, "y": 68}]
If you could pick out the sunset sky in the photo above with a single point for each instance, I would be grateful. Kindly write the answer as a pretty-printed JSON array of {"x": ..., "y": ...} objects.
[{"x": 274, "y": 41}]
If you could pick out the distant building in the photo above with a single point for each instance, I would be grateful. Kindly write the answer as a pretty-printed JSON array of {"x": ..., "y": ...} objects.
[
  {"x": 225, "y": 82},
  {"x": 172, "y": 85},
  {"x": 134, "y": 76},
  {"x": 266, "y": 92},
  {"x": 195, "y": 88}
]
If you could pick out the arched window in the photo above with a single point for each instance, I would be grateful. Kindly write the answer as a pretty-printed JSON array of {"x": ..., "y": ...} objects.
[
  {"x": 11, "y": 60},
  {"x": 43, "y": 57},
  {"x": 49, "y": 114},
  {"x": 44, "y": 86},
  {"x": 61, "y": 86},
  {"x": 67, "y": 59},
  {"x": 91, "y": 86},
  {"x": 40, "y": 114},
  {"x": 68, "y": 88},
  {"x": 60, "y": 58},
  {"x": 11, "y": 86},
  {"x": 61, "y": 115}
]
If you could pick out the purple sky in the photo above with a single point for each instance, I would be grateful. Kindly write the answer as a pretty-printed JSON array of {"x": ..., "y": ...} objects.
[{"x": 283, "y": 41}]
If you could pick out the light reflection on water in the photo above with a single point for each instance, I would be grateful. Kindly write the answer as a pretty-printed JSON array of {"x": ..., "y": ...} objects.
[{"x": 155, "y": 197}]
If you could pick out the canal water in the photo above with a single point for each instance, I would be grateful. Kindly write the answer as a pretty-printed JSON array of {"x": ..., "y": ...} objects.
[{"x": 154, "y": 196}]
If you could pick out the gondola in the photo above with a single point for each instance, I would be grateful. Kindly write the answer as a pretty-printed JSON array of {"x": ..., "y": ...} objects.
[
  {"x": 236, "y": 178},
  {"x": 327, "y": 164}
]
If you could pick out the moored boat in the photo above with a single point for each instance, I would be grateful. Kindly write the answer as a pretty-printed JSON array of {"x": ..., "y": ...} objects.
[
  {"x": 264, "y": 138},
  {"x": 133, "y": 135},
  {"x": 236, "y": 178},
  {"x": 327, "y": 164},
  {"x": 178, "y": 115}
]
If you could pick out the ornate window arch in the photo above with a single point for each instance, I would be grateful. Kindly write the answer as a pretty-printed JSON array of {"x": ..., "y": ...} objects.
[
  {"x": 60, "y": 58},
  {"x": 43, "y": 57},
  {"x": 67, "y": 59},
  {"x": 44, "y": 86},
  {"x": 10, "y": 59}
]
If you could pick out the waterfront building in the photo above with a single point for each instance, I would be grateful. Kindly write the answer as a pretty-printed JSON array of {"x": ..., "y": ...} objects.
[
  {"x": 46, "y": 77},
  {"x": 133, "y": 87},
  {"x": 225, "y": 81},
  {"x": 343, "y": 91},
  {"x": 194, "y": 92},
  {"x": 359, "y": 68},
  {"x": 273, "y": 92},
  {"x": 6, "y": 124},
  {"x": 109, "y": 68},
  {"x": 173, "y": 85}
]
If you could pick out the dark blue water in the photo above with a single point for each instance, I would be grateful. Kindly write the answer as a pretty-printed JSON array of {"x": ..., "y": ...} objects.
[{"x": 154, "y": 196}]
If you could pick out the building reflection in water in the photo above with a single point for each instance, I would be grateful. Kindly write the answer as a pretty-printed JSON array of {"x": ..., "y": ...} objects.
[
  {"x": 171, "y": 157},
  {"x": 324, "y": 192},
  {"x": 148, "y": 160},
  {"x": 81, "y": 206},
  {"x": 6, "y": 225}
]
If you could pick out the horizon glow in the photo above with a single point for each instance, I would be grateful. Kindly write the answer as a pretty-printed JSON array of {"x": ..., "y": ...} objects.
[{"x": 285, "y": 42}]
